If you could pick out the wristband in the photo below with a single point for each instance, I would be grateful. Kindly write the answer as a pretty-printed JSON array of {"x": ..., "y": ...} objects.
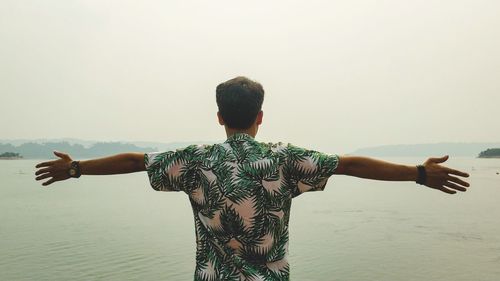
[
  {"x": 74, "y": 169},
  {"x": 422, "y": 175}
]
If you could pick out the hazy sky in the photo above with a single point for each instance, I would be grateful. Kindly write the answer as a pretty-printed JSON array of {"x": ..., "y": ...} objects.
[{"x": 338, "y": 75}]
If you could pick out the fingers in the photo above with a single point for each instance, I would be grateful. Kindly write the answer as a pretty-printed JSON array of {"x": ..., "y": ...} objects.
[
  {"x": 42, "y": 171},
  {"x": 51, "y": 181},
  {"x": 452, "y": 185},
  {"x": 44, "y": 164},
  {"x": 53, "y": 178},
  {"x": 439, "y": 160},
  {"x": 455, "y": 186},
  {"x": 459, "y": 181},
  {"x": 44, "y": 176},
  {"x": 458, "y": 173},
  {"x": 449, "y": 191},
  {"x": 62, "y": 155}
]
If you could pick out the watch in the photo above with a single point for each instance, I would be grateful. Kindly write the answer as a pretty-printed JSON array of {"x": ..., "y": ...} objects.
[
  {"x": 74, "y": 169},
  {"x": 422, "y": 175}
]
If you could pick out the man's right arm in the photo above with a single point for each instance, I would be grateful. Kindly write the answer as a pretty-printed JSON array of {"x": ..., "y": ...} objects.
[
  {"x": 438, "y": 176},
  {"x": 58, "y": 170}
]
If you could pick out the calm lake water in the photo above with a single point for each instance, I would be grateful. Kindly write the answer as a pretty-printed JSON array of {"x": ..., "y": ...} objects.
[{"x": 118, "y": 228}]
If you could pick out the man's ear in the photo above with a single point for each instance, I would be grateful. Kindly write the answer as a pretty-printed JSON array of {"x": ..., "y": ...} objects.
[
  {"x": 219, "y": 116},
  {"x": 259, "y": 117}
]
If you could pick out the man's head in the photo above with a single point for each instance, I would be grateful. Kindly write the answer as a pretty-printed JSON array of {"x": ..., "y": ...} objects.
[{"x": 240, "y": 102}]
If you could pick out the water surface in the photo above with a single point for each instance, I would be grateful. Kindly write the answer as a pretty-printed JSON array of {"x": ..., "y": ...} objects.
[{"x": 118, "y": 228}]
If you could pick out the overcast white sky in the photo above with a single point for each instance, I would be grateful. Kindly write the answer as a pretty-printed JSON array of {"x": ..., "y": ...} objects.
[{"x": 338, "y": 75}]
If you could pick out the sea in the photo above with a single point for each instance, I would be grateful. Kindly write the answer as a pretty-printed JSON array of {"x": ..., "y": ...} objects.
[{"x": 118, "y": 228}]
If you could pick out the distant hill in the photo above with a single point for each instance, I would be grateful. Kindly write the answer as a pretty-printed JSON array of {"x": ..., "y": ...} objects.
[
  {"x": 43, "y": 149},
  {"x": 424, "y": 150},
  {"x": 87, "y": 143}
]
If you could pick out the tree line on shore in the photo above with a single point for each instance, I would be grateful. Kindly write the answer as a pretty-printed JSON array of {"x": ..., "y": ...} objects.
[
  {"x": 489, "y": 153},
  {"x": 10, "y": 155}
]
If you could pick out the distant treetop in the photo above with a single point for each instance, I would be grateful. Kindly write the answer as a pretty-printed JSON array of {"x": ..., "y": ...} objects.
[
  {"x": 10, "y": 155},
  {"x": 490, "y": 153}
]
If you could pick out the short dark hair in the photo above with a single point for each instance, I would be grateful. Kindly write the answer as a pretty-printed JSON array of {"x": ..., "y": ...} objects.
[{"x": 239, "y": 100}]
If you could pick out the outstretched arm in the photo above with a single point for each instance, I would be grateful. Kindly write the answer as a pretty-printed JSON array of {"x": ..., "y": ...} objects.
[
  {"x": 58, "y": 170},
  {"x": 438, "y": 176}
]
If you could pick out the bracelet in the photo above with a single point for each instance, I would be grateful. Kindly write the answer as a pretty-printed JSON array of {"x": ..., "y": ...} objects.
[{"x": 422, "y": 175}]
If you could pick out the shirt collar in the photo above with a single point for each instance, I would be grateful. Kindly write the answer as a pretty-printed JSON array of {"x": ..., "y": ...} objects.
[{"x": 240, "y": 137}]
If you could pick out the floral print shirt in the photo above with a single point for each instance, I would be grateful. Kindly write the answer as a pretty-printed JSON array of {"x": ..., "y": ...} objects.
[{"x": 241, "y": 192}]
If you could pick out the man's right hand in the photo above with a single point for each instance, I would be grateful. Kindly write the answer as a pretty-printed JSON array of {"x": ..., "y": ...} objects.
[{"x": 56, "y": 170}]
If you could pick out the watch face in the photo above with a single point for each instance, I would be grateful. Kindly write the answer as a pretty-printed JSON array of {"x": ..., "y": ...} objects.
[{"x": 72, "y": 172}]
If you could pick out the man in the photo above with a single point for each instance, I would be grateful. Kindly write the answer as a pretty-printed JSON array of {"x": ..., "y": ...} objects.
[{"x": 241, "y": 190}]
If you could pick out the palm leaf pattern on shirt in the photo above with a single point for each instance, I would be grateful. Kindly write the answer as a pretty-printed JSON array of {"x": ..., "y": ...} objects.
[{"x": 241, "y": 192}]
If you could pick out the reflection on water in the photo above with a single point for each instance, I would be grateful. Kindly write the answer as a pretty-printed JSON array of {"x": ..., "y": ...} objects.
[{"x": 117, "y": 228}]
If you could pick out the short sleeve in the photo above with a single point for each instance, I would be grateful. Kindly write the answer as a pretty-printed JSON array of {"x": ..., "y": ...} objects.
[
  {"x": 308, "y": 170},
  {"x": 173, "y": 170}
]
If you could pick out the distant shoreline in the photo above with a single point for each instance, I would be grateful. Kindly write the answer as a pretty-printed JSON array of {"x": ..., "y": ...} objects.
[{"x": 485, "y": 157}]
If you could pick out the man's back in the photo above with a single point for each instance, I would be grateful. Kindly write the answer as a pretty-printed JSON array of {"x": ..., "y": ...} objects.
[{"x": 241, "y": 192}]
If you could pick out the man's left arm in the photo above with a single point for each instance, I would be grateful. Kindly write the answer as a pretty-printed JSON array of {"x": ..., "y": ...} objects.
[
  {"x": 437, "y": 176},
  {"x": 58, "y": 170}
]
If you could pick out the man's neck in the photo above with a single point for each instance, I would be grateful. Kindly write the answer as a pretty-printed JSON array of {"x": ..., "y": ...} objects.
[{"x": 252, "y": 131}]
